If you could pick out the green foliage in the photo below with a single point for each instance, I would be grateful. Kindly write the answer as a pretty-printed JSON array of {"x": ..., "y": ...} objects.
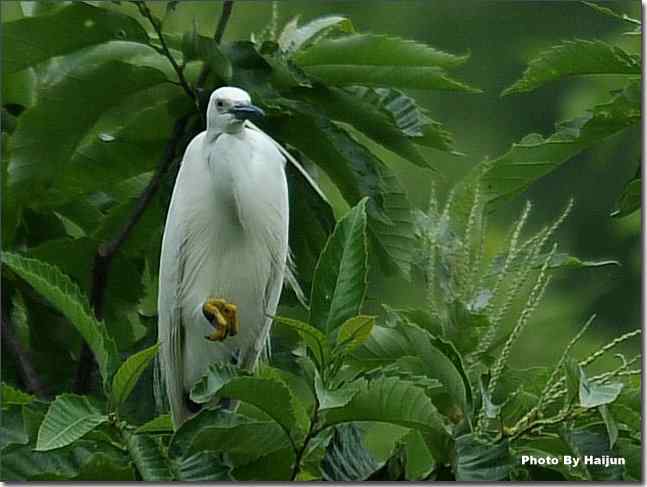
[
  {"x": 66, "y": 297},
  {"x": 129, "y": 373},
  {"x": 69, "y": 418},
  {"x": 354, "y": 394}
]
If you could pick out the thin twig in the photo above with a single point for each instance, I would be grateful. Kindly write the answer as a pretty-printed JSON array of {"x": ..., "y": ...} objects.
[
  {"x": 107, "y": 250},
  {"x": 26, "y": 369}
]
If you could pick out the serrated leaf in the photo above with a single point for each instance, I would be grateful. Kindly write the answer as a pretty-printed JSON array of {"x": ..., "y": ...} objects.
[
  {"x": 203, "y": 466},
  {"x": 353, "y": 332},
  {"x": 379, "y": 60},
  {"x": 294, "y": 37},
  {"x": 481, "y": 461},
  {"x": 314, "y": 339},
  {"x": 534, "y": 157},
  {"x": 347, "y": 459},
  {"x": 67, "y": 298},
  {"x": 410, "y": 118},
  {"x": 575, "y": 58},
  {"x": 442, "y": 361},
  {"x": 29, "y": 41},
  {"x": 367, "y": 118},
  {"x": 68, "y": 418},
  {"x": 12, "y": 396},
  {"x": 128, "y": 374},
  {"x": 147, "y": 456},
  {"x": 340, "y": 278},
  {"x": 159, "y": 425},
  {"x": 391, "y": 400}
]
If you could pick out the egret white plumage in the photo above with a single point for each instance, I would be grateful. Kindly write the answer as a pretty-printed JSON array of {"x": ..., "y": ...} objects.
[{"x": 225, "y": 248}]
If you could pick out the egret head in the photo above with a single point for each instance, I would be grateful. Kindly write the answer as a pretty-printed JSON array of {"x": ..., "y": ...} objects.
[{"x": 228, "y": 109}]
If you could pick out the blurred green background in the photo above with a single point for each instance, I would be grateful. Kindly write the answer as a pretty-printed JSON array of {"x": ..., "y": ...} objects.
[{"x": 501, "y": 37}]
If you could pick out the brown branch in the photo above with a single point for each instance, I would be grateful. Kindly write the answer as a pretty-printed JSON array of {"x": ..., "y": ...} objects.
[
  {"x": 107, "y": 250},
  {"x": 26, "y": 370},
  {"x": 157, "y": 25}
]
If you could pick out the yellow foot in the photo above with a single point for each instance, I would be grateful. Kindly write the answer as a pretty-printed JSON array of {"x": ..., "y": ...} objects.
[{"x": 223, "y": 316}]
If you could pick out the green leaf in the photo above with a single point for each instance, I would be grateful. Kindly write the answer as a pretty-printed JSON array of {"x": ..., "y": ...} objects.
[
  {"x": 442, "y": 361},
  {"x": 575, "y": 58},
  {"x": 419, "y": 460},
  {"x": 244, "y": 439},
  {"x": 203, "y": 466},
  {"x": 30, "y": 41},
  {"x": 534, "y": 157},
  {"x": 210, "y": 384},
  {"x": 593, "y": 394},
  {"x": 610, "y": 423},
  {"x": 12, "y": 427},
  {"x": 128, "y": 374},
  {"x": 366, "y": 117},
  {"x": 12, "y": 396},
  {"x": 347, "y": 458},
  {"x": 612, "y": 13},
  {"x": 159, "y": 425},
  {"x": 354, "y": 332},
  {"x": 378, "y": 60},
  {"x": 391, "y": 400},
  {"x": 311, "y": 223},
  {"x": 340, "y": 278},
  {"x": 69, "y": 418},
  {"x": 147, "y": 456},
  {"x": 79, "y": 461},
  {"x": 95, "y": 145},
  {"x": 314, "y": 339},
  {"x": 481, "y": 461},
  {"x": 593, "y": 440},
  {"x": 573, "y": 375},
  {"x": 294, "y": 37},
  {"x": 358, "y": 173},
  {"x": 560, "y": 260},
  {"x": 270, "y": 395},
  {"x": 630, "y": 200},
  {"x": 195, "y": 46},
  {"x": 335, "y": 398},
  {"x": 403, "y": 111},
  {"x": 65, "y": 296}
]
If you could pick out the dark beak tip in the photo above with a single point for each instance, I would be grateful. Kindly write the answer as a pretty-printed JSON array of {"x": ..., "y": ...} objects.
[{"x": 247, "y": 112}]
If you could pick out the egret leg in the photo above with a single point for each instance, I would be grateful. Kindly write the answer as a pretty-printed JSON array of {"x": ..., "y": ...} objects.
[{"x": 223, "y": 316}]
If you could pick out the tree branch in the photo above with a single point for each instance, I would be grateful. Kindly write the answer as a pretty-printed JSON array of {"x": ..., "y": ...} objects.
[
  {"x": 26, "y": 370},
  {"x": 107, "y": 250},
  {"x": 157, "y": 25}
]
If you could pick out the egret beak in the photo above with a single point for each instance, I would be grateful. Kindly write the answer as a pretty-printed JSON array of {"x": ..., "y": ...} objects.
[{"x": 246, "y": 112}]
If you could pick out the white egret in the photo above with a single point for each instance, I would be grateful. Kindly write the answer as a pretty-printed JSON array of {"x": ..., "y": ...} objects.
[{"x": 225, "y": 248}]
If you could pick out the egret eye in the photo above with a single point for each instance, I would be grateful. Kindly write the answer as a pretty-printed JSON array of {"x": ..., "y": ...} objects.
[{"x": 220, "y": 104}]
